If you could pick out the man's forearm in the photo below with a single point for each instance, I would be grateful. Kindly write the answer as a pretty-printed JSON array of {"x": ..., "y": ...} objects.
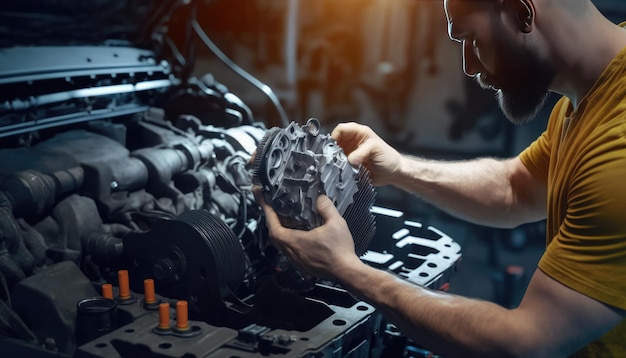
[
  {"x": 478, "y": 191},
  {"x": 446, "y": 324}
]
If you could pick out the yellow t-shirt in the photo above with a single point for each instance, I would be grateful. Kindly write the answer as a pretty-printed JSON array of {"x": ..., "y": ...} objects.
[{"x": 582, "y": 158}]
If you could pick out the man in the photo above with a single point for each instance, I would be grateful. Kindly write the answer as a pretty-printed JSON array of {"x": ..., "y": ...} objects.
[{"x": 572, "y": 175}]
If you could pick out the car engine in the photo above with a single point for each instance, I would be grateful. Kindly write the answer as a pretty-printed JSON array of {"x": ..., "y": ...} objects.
[{"x": 128, "y": 227}]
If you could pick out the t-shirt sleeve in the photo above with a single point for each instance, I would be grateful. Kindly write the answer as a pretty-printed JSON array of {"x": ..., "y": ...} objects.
[
  {"x": 536, "y": 157},
  {"x": 588, "y": 252}
]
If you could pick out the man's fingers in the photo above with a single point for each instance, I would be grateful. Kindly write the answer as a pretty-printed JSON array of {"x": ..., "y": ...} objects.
[
  {"x": 361, "y": 154},
  {"x": 271, "y": 217},
  {"x": 326, "y": 208},
  {"x": 258, "y": 194},
  {"x": 340, "y": 132},
  {"x": 346, "y": 136},
  {"x": 252, "y": 157}
]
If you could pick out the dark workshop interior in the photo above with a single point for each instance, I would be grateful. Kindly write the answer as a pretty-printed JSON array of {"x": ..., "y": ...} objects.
[{"x": 125, "y": 130}]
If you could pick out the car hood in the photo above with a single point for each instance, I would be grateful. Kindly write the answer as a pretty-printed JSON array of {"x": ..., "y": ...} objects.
[{"x": 80, "y": 22}]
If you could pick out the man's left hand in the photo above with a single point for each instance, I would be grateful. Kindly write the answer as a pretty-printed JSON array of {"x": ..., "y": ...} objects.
[{"x": 320, "y": 252}]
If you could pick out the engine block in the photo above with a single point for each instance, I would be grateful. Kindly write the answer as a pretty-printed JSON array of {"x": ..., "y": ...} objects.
[{"x": 133, "y": 176}]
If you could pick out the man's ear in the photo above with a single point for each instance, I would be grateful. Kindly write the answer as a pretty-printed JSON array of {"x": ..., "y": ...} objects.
[{"x": 524, "y": 12}]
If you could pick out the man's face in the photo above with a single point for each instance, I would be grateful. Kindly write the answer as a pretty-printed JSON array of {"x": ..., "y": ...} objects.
[{"x": 495, "y": 53}]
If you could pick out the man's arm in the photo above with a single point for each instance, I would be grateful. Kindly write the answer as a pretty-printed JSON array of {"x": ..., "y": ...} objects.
[
  {"x": 491, "y": 192},
  {"x": 551, "y": 321},
  {"x": 500, "y": 193}
]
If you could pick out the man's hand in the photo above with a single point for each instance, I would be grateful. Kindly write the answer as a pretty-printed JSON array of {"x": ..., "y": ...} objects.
[
  {"x": 320, "y": 252},
  {"x": 363, "y": 146}
]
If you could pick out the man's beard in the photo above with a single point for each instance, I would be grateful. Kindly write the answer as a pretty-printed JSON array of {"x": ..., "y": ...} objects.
[
  {"x": 522, "y": 106},
  {"x": 520, "y": 100},
  {"x": 524, "y": 80}
]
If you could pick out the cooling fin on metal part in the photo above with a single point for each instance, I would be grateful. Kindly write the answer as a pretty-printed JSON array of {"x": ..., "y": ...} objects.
[{"x": 296, "y": 164}]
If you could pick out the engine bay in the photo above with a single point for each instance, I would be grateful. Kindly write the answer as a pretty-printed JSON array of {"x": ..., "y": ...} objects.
[{"x": 126, "y": 184}]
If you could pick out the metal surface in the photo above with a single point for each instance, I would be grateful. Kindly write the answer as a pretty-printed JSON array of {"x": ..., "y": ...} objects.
[
  {"x": 346, "y": 329},
  {"x": 99, "y": 80},
  {"x": 420, "y": 254},
  {"x": 195, "y": 257}
]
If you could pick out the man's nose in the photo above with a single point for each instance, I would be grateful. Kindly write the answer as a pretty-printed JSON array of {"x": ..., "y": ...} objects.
[{"x": 470, "y": 60}]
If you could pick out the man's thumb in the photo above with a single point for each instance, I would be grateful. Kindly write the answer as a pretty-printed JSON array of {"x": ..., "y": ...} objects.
[{"x": 325, "y": 207}]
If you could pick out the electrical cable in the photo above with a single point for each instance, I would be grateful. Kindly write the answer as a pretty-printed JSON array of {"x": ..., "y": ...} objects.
[{"x": 241, "y": 72}]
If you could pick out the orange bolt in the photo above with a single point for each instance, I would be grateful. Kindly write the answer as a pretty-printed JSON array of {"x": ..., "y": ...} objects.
[
  {"x": 122, "y": 277},
  {"x": 164, "y": 315},
  {"x": 148, "y": 290},
  {"x": 107, "y": 291},
  {"x": 182, "y": 317}
]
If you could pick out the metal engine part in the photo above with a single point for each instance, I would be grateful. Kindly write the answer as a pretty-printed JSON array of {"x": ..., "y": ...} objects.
[
  {"x": 195, "y": 257},
  {"x": 296, "y": 164},
  {"x": 173, "y": 204},
  {"x": 420, "y": 254}
]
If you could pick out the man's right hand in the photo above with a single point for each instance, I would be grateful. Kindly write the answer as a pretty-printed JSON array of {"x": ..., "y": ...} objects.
[{"x": 363, "y": 146}]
